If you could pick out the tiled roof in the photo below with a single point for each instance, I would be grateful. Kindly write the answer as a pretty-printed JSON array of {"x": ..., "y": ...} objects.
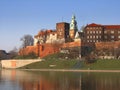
[
  {"x": 46, "y": 32},
  {"x": 94, "y": 24},
  {"x": 105, "y": 26},
  {"x": 112, "y": 26},
  {"x": 49, "y": 31}
]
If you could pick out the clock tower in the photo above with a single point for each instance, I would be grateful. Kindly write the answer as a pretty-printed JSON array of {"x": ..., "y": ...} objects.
[{"x": 73, "y": 27}]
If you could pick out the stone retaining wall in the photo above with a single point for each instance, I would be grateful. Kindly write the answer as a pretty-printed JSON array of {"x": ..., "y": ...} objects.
[{"x": 17, "y": 63}]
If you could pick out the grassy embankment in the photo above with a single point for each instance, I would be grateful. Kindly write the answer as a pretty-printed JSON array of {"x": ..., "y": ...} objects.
[
  {"x": 52, "y": 62},
  {"x": 55, "y": 62},
  {"x": 103, "y": 65}
]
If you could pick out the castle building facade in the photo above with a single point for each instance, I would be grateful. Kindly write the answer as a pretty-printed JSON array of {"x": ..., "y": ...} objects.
[
  {"x": 101, "y": 33},
  {"x": 45, "y": 36}
]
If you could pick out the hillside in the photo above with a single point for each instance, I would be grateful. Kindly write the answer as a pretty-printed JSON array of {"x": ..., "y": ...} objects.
[{"x": 55, "y": 62}]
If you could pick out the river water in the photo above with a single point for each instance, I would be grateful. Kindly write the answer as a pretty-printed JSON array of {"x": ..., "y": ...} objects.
[{"x": 47, "y": 80}]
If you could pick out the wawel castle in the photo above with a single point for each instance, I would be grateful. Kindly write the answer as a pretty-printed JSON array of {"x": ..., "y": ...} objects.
[
  {"x": 64, "y": 32},
  {"x": 67, "y": 35}
]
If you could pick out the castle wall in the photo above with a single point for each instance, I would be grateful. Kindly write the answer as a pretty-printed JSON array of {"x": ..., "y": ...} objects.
[
  {"x": 107, "y": 45},
  {"x": 71, "y": 44},
  {"x": 47, "y": 49},
  {"x": 41, "y": 50}
]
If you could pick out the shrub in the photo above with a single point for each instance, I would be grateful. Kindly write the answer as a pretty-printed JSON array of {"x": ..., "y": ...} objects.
[
  {"x": 90, "y": 59},
  {"x": 31, "y": 55}
]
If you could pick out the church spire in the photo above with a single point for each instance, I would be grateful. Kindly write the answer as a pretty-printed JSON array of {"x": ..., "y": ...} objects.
[
  {"x": 73, "y": 17},
  {"x": 73, "y": 27},
  {"x": 73, "y": 24}
]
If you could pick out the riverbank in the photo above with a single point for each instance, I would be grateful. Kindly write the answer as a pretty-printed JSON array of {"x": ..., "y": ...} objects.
[
  {"x": 74, "y": 65},
  {"x": 56, "y": 61},
  {"x": 70, "y": 70}
]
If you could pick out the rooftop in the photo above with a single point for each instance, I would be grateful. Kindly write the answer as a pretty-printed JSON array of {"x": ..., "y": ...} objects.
[{"x": 105, "y": 26}]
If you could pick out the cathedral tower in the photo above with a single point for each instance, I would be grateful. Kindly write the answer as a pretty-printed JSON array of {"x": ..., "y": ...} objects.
[{"x": 73, "y": 27}]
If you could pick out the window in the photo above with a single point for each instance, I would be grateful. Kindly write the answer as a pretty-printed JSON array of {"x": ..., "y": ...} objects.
[
  {"x": 93, "y": 36},
  {"x": 112, "y": 31},
  {"x": 93, "y": 40},
  {"x": 96, "y": 36},
  {"x": 87, "y": 36},
  {"x": 112, "y": 36},
  {"x": 96, "y": 31},
  {"x": 93, "y": 31},
  {"x": 119, "y": 36},
  {"x": 60, "y": 33},
  {"x": 119, "y": 32},
  {"x": 87, "y": 40},
  {"x": 87, "y": 27},
  {"x": 87, "y": 32},
  {"x": 105, "y": 32},
  {"x": 90, "y": 36},
  {"x": 99, "y": 31}
]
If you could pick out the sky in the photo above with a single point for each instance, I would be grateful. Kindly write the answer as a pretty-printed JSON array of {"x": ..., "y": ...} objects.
[{"x": 21, "y": 17}]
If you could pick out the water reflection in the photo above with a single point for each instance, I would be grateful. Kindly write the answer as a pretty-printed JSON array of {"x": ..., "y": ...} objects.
[
  {"x": 101, "y": 81},
  {"x": 36, "y": 80}
]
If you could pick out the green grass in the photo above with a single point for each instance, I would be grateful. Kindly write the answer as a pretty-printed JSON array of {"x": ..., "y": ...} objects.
[
  {"x": 51, "y": 64},
  {"x": 58, "y": 61},
  {"x": 103, "y": 65},
  {"x": 70, "y": 64},
  {"x": 54, "y": 61}
]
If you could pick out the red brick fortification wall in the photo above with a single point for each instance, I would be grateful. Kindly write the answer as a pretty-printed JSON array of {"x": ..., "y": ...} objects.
[
  {"x": 107, "y": 45},
  {"x": 27, "y": 50},
  {"x": 47, "y": 49},
  {"x": 41, "y": 50},
  {"x": 71, "y": 44}
]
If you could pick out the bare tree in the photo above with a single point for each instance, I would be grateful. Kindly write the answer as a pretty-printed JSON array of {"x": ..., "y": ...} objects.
[
  {"x": 90, "y": 58},
  {"x": 13, "y": 53},
  {"x": 27, "y": 40},
  {"x": 3, "y": 54}
]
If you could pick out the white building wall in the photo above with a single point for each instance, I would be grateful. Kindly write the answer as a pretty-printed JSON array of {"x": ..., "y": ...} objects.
[
  {"x": 52, "y": 38},
  {"x": 35, "y": 41}
]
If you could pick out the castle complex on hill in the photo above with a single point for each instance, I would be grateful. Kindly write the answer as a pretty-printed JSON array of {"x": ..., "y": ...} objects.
[
  {"x": 91, "y": 33},
  {"x": 64, "y": 32},
  {"x": 68, "y": 35}
]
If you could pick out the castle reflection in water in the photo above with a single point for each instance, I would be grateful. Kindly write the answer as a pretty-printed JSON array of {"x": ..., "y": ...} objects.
[{"x": 36, "y": 80}]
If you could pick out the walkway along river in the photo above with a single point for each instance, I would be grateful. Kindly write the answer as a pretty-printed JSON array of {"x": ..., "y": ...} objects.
[{"x": 17, "y": 63}]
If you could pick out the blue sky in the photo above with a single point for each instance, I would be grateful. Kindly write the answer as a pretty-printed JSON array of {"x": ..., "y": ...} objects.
[{"x": 20, "y": 17}]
